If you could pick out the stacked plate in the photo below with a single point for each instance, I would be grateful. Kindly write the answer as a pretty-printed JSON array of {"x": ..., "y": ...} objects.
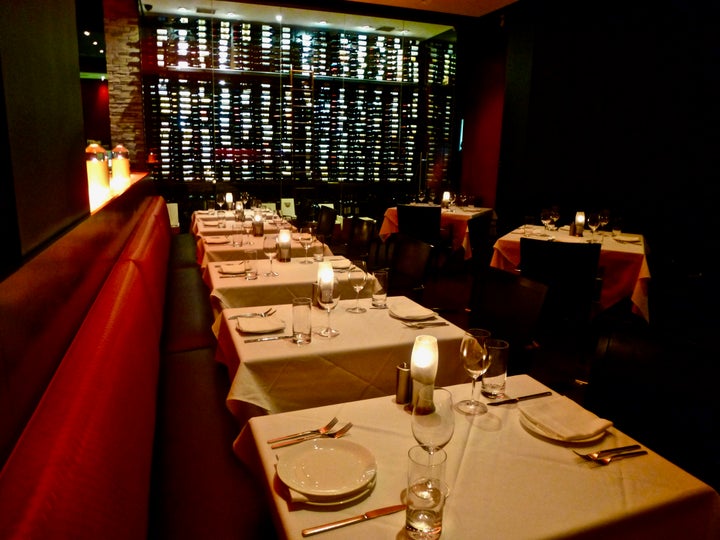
[
  {"x": 410, "y": 311},
  {"x": 326, "y": 472}
]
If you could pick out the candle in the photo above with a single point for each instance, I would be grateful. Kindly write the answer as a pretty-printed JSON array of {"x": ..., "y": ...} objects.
[
  {"x": 326, "y": 277},
  {"x": 579, "y": 223},
  {"x": 229, "y": 199},
  {"x": 257, "y": 225},
  {"x": 424, "y": 360},
  {"x": 97, "y": 175},
  {"x": 283, "y": 240},
  {"x": 120, "y": 180},
  {"x": 445, "y": 199}
]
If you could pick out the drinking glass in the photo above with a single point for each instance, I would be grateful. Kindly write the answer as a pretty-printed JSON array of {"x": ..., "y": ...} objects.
[
  {"x": 328, "y": 296},
  {"x": 476, "y": 362},
  {"x": 593, "y": 221},
  {"x": 247, "y": 229},
  {"x": 554, "y": 217},
  {"x": 604, "y": 218},
  {"x": 220, "y": 201},
  {"x": 546, "y": 218},
  {"x": 270, "y": 249},
  {"x": 306, "y": 239},
  {"x": 357, "y": 277},
  {"x": 433, "y": 418}
]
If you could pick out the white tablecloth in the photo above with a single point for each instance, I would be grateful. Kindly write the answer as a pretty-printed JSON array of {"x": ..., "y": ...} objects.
[
  {"x": 294, "y": 279},
  {"x": 359, "y": 363},
  {"x": 505, "y": 482}
]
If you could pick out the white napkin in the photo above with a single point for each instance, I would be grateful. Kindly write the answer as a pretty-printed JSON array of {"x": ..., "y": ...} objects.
[
  {"x": 216, "y": 240},
  {"x": 340, "y": 264},
  {"x": 209, "y": 223},
  {"x": 561, "y": 418},
  {"x": 408, "y": 310},
  {"x": 233, "y": 268},
  {"x": 627, "y": 238},
  {"x": 260, "y": 325}
]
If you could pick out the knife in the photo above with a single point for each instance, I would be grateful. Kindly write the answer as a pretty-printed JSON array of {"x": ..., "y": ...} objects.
[
  {"x": 266, "y": 338},
  {"x": 372, "y": 514},
  {"x": 520, "y": 398}
]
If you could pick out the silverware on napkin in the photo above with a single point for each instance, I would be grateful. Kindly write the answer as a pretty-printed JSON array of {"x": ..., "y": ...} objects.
[
  {"x": 372, "y": 514},
  {"x": 520, "y": 398}
]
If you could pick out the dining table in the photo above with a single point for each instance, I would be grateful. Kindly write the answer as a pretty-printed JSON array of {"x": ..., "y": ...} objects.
[
  {"x": 360, "y": 362},
  {"x": 455, "y": 218},
  {"x": 505, "y": 479},
  {"x": 295, "y": 278},
  {"x": 623, "y": 262}
]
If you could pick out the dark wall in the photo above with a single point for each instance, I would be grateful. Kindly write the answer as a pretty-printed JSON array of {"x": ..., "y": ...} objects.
[
  {"x": 44, "y": 123},
  {"x": 611, "y": 105}
]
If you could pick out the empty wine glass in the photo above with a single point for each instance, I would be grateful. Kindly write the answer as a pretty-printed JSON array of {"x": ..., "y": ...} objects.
[
  {"x": 270, "y": 249},
  {"x": 220, "y": 201},
  {"x": 554, "y": 217},
  {"x": 433, "y": 418},
  {"x": 604, "y": 218},
  {"x": 328, "y": 296},
  {"x": 476, "y": 362},
  {"x": 357, "y": 276},
  {"x": 305, "y": 237},
  {"x": 593, "y": 221},
  {"x": 546, "y": 218}
]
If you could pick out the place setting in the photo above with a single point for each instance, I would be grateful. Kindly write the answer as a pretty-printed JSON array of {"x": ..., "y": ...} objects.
[{"x": 413, "y": 315}]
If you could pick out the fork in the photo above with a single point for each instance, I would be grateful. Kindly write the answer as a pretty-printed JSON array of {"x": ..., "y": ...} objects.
[
  {"x": 334, "y": 435},
  {"x": 321, "y": 430},
  {"x": 609, "y": 459},
  {"x": 421, "y": 325},
  {"x": 594, "y": 456}
]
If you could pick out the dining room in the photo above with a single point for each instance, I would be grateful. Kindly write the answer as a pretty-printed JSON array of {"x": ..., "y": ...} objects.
[{"x": 555, "y": 108}]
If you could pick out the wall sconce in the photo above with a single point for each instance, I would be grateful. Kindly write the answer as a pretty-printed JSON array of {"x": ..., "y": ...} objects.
[
  {"x": 98, "y": 177},
  {"x": 258, "y": 228},
  {"x": 423, "y": 364},
  {"x": 120, "y": 179},
  {"x": 284, "y": 238}
]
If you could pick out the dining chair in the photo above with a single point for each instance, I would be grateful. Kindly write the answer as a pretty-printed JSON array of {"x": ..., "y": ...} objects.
[
  {"x": 326, "y": 222},
  {"x": 509, "y": 306},
  {"x": 408, "y": 266},
  {"x": 481, "y": 238},
  {"x": 360, "y": 235},
  {"x": 424, "y": 223}
]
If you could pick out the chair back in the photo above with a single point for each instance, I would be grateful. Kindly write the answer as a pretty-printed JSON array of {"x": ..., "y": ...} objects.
[
  {"x": 421, "y": 222},
  {"x": 326, "y": 222},
  {"x": 481, "y": 239},
  {"x": 362, "y": 232},
  {"x": 408, "y": 266},
  {"x": 509, "y": 305},
  {"x": 570, "y": 270}
]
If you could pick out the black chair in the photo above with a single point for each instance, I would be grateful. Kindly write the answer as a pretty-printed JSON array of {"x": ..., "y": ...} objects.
[
  {"x": 424, "y": 223},
  {"x": 408, "y": 266},
  {"x": 326, "y": 223},
  {"x": 482, "y": 238},
  {"x": 509, "y": 306},
  {"x": 571, "y": 272},
  {"x": 360, "y": 237}
]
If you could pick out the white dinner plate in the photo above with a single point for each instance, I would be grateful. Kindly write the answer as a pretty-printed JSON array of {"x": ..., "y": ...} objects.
[
  {"x": 342, "y": 499},
  {"x": 217, "y": 240},
  {"x": 327, "y": 468},
  {"x": 536, "y": 430}
]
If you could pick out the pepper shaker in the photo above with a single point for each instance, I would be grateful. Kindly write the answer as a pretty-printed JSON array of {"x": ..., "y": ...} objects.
[{"x": 403, "y": 386}]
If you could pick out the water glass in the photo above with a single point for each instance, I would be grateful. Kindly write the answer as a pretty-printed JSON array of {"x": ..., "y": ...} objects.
[
  {"x": 237, "y": 234},
  {"x": 493, "y": 381},
  {"x": 426, "y": 493},
  {"x": 302, "y": 323},
  {"x": 251, "y": 264},
  {"x": 380, "y": 286}
]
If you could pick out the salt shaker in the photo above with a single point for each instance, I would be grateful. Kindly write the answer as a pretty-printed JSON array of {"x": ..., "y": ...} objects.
[{"x": 403, "y": 387}]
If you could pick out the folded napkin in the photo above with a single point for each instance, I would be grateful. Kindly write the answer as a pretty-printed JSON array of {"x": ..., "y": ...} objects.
[
  {"x": 410, "y": 311},
  {"x": 210, "y": 222},
  {"x": 561, "y": 418},
  {"x": 233, "y": 268},
  {"x": 216, "y": 240},
  {"x": 260, "y": 325},
  {"x": 340, "y": 264}
]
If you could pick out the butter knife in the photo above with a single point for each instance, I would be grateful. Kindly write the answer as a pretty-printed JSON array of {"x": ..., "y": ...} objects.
[
  {"x": 266, "y": 338},
  {"x": 520, "y": 398},
  {"x": 372, "y": 514}
]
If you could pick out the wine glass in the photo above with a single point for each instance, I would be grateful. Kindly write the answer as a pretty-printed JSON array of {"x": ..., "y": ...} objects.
[
  {"x": 546, "y": 218},
  {"x": 306, "y": 239},
  {"x": 433, "y": 418},
  {"x": 357, "y": 276},
  {"x": 554, "y": 217},
  {"x": 220, "y": 201},
  {"x": 476, "y": 362},
  {"x": 270, "y": 249},
  {"x": 593, "y": 221},
  {"x": 247, "y": 228},
  {"x": 328, "y": 296},
  {"x": 604, "y": 218}
]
